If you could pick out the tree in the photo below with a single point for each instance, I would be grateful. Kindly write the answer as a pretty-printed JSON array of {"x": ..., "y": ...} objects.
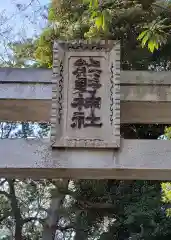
[
  {"x": 24, "y": 203},
  {"x": 154, "y": 33},
  {"x": 125, "y": 21}
]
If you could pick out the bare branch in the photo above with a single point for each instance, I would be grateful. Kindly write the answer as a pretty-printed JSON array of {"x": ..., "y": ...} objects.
[{"x": 25, "y": 8}]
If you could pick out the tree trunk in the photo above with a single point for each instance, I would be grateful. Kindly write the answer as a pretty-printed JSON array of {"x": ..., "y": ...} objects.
[
  {"x": 50, "y": 226},
  {"x": 81, "y": 232},
  {"x": 80, "y": 235},
  {"x": 15, "y": 210}
]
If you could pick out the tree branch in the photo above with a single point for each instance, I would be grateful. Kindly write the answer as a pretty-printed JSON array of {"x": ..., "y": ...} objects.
[
  {"x": 2, "y": 182},
  {"x": 29, "y": 219},
  {"x": 7, "y": 214},
  {"x": 161, "y": 7},
  {"x": 91, "y": 205},
  {"x": 62, "y": 229},
  {"x": 43, "y": 209},
  {"x": 5, "y": 194},
  {"x": 15, "y": 210},
  {"x": 88, "y": 204}
]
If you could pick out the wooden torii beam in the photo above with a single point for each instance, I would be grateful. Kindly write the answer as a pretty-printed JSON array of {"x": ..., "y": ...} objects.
[
  {"x": 137, "y": 159},
  {"x": 25, "y": 95}
]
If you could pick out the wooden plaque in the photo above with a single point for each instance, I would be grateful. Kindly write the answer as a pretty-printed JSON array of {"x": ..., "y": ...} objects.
[{"x": 86, "y": 94}]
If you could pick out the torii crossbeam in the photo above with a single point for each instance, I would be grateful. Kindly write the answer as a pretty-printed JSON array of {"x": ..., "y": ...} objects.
[{"x": 26, "y": 95}]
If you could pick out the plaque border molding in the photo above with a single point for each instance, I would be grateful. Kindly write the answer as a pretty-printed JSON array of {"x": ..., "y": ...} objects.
[{"x": 59, "y": 50}]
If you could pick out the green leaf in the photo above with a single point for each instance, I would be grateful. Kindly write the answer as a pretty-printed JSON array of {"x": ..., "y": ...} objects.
[
  {"x": 151, "y": 45},
  {"x": 96, "y": 3},
  {"x": 99, "y": 21},
  {"x": 145, "y": 39},
  {"x": 104, "y": 22},
  {"x": 154, "y": 34},
  {"x": 90, "y": 3},
  {"x": 94, "y": 14},
  {"x": 142, "y": 35}
]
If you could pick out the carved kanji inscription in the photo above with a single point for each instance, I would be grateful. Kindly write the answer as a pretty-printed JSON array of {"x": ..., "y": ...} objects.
[
  {"x": 87, "y": 82},
  {"x": 87, "y": 96}
]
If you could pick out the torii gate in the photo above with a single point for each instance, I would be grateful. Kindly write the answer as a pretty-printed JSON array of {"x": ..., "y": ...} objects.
[{"x": 26, "y": 95}]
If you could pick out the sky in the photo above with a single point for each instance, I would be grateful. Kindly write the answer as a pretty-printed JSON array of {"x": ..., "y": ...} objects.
[{"x": 16, "y": 24}]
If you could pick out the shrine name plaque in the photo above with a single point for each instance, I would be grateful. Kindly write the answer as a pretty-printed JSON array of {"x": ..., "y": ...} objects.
[{"x": 86, "y": 95}]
